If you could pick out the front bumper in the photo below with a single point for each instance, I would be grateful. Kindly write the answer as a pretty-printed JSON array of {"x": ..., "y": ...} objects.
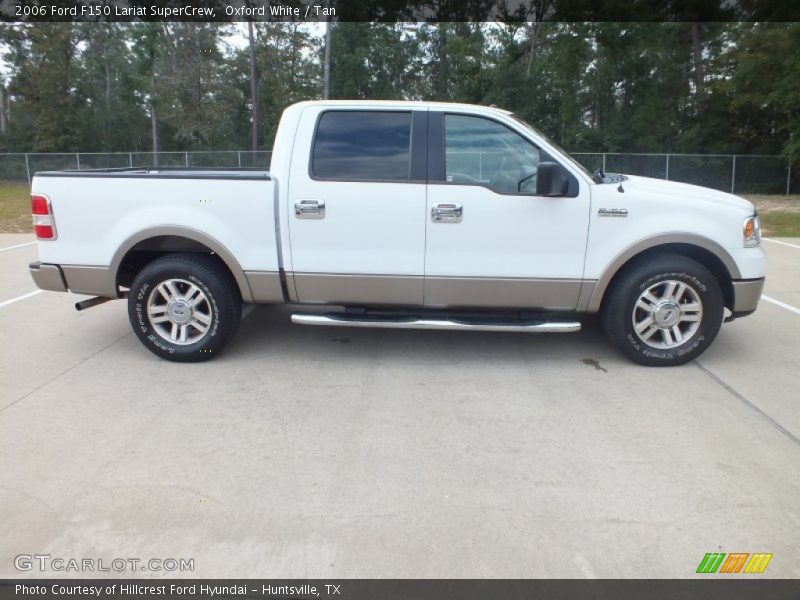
[
  {"x": 48, "y": 277},
  {"x": 746, "y": 294}
]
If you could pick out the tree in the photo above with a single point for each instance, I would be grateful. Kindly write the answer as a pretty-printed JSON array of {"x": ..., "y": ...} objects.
[
  {"x": 290, "y": 68},
  {"x": 251, "y": 54},
  {"x": 47, "y": 105},
  {"x": 107, "y": 82},
  {"x": 765, "y": 89},
  {"x": 146, "y": 39},
  {"x": 372, "y": 61}
]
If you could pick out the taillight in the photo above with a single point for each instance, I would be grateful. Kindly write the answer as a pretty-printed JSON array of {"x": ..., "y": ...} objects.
[{"x": 43, "y": 224}]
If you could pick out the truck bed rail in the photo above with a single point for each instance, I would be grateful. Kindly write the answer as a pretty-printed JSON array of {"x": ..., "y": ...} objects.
[{"x": 236, "y": 173}]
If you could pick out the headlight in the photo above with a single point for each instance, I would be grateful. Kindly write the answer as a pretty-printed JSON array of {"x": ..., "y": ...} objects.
[{"x": 752, "y": 231}]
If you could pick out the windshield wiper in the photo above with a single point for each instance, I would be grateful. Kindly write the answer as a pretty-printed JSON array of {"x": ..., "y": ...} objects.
[{"x": 599, "y": 176}]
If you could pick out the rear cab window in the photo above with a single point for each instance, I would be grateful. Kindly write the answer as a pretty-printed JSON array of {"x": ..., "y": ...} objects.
[{"x": 352, "y": 145}]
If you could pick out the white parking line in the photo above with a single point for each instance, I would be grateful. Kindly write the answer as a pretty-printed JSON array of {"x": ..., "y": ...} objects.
[
  {"x": 18, "y": 298},
  {"x": 32, "y": 243},
  {"x": 781, "y": 243},
  {"x": 781, "y": 304}
]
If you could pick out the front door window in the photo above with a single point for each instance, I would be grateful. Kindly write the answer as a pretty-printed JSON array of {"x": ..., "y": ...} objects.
[{"x": 483, "y": 152}]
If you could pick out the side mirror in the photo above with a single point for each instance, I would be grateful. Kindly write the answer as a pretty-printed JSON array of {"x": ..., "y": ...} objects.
[{"x": 550, "y": 180}]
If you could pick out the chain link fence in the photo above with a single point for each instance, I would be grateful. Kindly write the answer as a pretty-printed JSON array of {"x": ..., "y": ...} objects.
[{"x": 739, "y": 174}]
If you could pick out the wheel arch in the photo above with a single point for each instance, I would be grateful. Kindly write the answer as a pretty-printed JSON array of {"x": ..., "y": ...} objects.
[
  {"x": 146, "y": 245},
  {"x": 705, "y": 251}
]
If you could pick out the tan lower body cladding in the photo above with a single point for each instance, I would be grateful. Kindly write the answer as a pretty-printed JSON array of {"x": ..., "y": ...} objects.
[
  {"x": 363, "y": 290},
  {"x": 441, "y": 292}
]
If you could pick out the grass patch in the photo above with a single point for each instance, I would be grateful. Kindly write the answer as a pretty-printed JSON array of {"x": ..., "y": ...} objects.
[
  {"x": 15, "y": 207},
  {"x": 780, "y": 215},
  {"x": 780, "y": 223}
]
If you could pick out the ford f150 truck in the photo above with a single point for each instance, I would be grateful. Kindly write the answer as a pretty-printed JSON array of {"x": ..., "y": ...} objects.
[{"x": 403, "y": 215}]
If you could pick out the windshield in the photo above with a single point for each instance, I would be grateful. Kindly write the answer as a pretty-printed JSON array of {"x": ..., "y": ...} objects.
[{"x": 574, "y": 162}]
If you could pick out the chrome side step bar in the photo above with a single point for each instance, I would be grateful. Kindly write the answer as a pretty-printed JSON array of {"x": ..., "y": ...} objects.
[{"x": 332, "y": 319}]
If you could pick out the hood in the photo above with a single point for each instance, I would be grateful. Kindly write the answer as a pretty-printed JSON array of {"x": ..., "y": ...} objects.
[{"x": 673, "y": 189}]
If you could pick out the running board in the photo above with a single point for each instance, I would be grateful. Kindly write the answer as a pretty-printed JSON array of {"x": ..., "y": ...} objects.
[{"x": 336, "y": 320}]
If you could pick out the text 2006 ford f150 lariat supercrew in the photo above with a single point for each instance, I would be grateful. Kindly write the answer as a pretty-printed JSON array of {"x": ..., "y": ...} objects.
[{"x": 403, "y": 214}]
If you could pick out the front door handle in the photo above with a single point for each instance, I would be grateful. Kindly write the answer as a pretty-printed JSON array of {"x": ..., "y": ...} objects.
[
  {"x": 309, "y": 209},
  {"x": 447, "y": 213}
]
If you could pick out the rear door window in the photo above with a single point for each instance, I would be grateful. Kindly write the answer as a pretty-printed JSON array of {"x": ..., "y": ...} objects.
[{"x": 362, "y": 146}]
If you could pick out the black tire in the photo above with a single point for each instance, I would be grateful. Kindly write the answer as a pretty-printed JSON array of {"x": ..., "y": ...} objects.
[
  {"x": 654, "y": 273},
  {"x": 219, "y": 303}
]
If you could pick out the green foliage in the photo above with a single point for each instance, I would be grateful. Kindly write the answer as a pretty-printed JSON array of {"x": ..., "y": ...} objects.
[
  {"x": 781, "y": 223},
  {"x": 372, "y": 61},
  {"x": 44, "y": 82},
  {"x": 632, "y": 87},
  {"x": 290, "y": 66},
  {"x": 765, "y": 95},
  {"x": 107, "y": 84}
]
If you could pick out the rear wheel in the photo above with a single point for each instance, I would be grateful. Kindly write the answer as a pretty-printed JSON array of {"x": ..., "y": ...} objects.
[
  {"x": 663, "y": 311},
  {"x": 184, "y": 307}
]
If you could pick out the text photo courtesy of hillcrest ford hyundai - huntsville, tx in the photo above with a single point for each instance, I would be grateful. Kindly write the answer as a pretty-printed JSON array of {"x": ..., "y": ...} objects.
[{"x": 310, "y": 305}]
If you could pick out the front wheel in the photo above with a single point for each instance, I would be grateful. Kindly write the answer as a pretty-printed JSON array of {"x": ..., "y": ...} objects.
[
  {"x": 664, "y": 311},
  {"x": 184, "y": 307}
]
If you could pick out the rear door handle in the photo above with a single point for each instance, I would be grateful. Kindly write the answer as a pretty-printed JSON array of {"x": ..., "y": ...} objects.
[
  {"x": 309, "y": 209},
  {"x": 447, "y": 213}
]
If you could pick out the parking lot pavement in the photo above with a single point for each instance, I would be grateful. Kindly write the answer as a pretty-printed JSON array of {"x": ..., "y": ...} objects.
[
  {"x": 314, "y": 452},
  {"x": 18, "y": 251},
  {"x": 783, "y": 258}
]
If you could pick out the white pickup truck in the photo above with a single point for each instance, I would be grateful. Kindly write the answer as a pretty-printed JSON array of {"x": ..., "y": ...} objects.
[{"x": 403, "y": 215}]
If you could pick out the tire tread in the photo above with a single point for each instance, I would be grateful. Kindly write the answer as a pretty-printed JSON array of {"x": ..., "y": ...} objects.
[
  {"x": 224, "y": 290},
  {"x": 615, "y": 315}
]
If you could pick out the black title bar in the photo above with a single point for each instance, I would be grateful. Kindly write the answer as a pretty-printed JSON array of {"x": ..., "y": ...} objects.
[
  {"x": 389, "y": 11},
  {"x": 732, "y": 587}
]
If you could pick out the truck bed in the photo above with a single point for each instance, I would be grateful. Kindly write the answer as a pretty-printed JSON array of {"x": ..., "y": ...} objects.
[{"x": 100, "y": 214}]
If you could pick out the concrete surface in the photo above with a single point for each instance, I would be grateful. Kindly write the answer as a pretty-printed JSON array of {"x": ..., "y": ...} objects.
[{"x": 315, "y": 452}]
